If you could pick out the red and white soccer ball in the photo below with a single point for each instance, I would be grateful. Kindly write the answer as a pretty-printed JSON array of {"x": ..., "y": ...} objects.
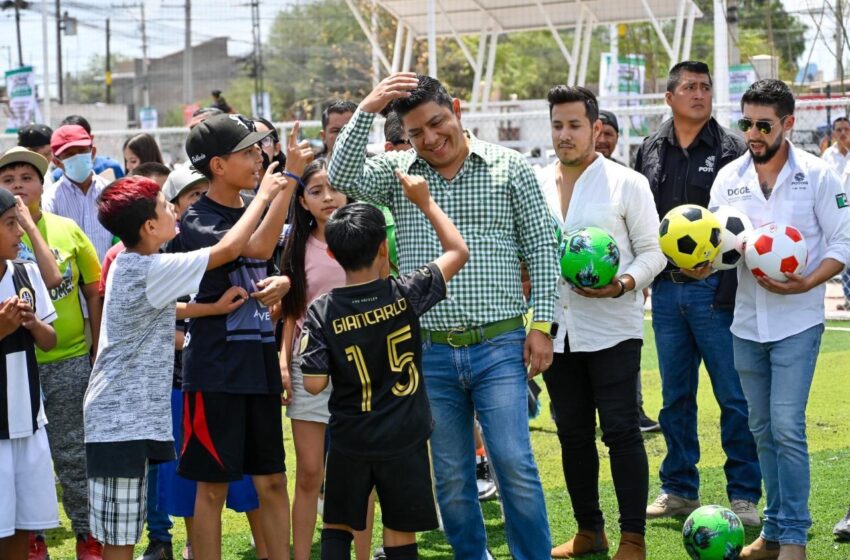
[{"x": 774, "y": 249}]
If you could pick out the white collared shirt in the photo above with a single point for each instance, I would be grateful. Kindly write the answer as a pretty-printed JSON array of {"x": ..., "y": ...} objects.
[
  {"x": 835, "y": 159},
  {"x": 66, "y": 199},
  {"x": 617, "y": 199},
  {"x": 809, "y": 196}
]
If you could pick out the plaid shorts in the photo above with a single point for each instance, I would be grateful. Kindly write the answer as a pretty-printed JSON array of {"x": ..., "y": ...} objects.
[{"x": 117, "y": 509}]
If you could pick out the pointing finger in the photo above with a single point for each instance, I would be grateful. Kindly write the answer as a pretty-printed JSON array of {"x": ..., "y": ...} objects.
[{"x": 293, "y": 134}]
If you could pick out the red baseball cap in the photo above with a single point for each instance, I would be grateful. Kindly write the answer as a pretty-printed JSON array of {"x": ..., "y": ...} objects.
[{"x": 69, "y": 136}]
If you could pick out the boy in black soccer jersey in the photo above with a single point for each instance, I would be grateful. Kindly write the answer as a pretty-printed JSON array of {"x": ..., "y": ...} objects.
[{"x": 365, "y": 338}]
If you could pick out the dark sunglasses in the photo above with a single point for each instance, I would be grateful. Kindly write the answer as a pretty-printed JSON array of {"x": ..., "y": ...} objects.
[{"x": 763, "y": 126}]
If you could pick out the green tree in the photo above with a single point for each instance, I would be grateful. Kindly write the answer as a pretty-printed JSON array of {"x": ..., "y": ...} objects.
[{"x": 316, "y": 52}]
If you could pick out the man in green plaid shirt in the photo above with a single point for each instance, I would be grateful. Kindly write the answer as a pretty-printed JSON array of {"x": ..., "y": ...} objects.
[{"x": 477, "y": 355}]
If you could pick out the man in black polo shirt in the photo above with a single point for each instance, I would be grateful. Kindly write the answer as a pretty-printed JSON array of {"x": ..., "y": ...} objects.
[{"x": 692, "y": 309}]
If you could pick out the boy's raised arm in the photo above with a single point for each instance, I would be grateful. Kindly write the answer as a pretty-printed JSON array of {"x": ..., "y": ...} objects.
[
  {"x": 455, "y": 252},
  {"x": 231, "y": 246}
]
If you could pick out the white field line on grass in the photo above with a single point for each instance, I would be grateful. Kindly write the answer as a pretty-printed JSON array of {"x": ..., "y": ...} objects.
[{"x": 839, "y": 329}]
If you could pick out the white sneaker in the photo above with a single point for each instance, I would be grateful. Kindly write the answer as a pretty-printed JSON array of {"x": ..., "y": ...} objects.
[
  {"x": 747, "y": 512},
  {"x": 669, "y": 505}
]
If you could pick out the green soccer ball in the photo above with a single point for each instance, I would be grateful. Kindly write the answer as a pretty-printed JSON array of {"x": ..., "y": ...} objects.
[
  {"x": 590, "y": 258},
  {"x": 713, "y": 533}
]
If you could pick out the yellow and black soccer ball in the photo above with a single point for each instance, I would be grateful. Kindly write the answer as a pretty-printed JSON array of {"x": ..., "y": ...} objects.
[{"x": 690, "y": 236}]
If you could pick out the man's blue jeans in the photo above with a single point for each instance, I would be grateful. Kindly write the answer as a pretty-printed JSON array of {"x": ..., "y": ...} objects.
[
  {"x": 776, "y": 377},
  {"x": 689, "y": 330},
  {"x": 488, "y": 379},
  {"x": 159, "y": 524}
]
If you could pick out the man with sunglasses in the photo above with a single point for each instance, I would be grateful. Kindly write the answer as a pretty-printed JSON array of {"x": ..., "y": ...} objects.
[
  {"x": 692, "y": 309},
  {"x": 775, "y": 357}
]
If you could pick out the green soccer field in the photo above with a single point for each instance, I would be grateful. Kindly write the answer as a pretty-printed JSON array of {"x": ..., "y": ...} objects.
[{"x": 829, "y": 444}]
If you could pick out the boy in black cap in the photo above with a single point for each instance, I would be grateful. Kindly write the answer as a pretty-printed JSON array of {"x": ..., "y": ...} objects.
[
  {"x": 36, "y": 138},
  {"x": 231, "y": 378}
]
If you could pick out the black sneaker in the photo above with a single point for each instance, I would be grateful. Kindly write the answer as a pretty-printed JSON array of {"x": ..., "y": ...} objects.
[
  {"x": 486, "y": 485},
  {"x": 842, "y": 528},
  {"x": 379, "y": 554},
  {"x": 647, "y": 424},
  {"x": 157, "y": 550}
]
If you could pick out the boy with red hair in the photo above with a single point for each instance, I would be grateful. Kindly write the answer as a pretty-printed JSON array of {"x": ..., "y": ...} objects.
[{"x": 128, "y": 402}]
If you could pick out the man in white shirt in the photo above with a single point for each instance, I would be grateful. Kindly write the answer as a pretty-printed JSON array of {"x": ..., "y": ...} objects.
[
  {"x": 597, "y": 351},
  {"x": 775, "y": 356},
  {"x": 74, "y": 194},
  {"x": 838, "y": 154},
  {"x": 837, "y": 157}
]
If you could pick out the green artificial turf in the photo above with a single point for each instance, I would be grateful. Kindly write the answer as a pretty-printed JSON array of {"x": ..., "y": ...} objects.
[{"x": 829, "y": 444}]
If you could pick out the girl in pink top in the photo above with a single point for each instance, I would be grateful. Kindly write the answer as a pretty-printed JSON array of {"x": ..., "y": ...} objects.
[{"x": 312, "y": 272}]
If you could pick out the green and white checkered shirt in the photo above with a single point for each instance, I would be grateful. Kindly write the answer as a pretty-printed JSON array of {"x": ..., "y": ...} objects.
[{"x": 496, "y": 203}]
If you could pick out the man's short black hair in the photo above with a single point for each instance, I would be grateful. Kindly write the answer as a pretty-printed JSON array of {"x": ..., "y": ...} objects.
[
  {"x": 151, "y": 169},
  {"x": 838, "y": 120},
  {"x": 568, "y": 94},
  {"x": 394, "y": 130},
  {"x": 429, "y": 89},
  {"x": 692, "y": 66},
  {"x": 354, "y": 233},
  {"x": 78, "y": 120},
  {"x": 772, "y": 93},
  {"x": 338, "y": 106}
]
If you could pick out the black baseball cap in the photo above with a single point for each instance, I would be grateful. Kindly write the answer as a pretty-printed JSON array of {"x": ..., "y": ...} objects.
[
  {"x": 34, "y": 136},
  {"x": 220, "y": 135},
  {"x": 607, "y": 117}
]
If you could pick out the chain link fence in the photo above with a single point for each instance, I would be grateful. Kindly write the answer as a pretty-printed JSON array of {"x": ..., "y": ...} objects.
[{"x": 525, "y": 128}]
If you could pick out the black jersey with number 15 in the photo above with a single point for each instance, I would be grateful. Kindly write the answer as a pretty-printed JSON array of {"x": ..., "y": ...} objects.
[{"x": 366, "y": 337}]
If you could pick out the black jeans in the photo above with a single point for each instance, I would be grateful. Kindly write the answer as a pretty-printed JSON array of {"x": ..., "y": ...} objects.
[{"x": 579, "y": 384}]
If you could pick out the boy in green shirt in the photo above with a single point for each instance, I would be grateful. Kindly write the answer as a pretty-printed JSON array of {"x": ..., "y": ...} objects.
[{"x": 65, "y": 369}]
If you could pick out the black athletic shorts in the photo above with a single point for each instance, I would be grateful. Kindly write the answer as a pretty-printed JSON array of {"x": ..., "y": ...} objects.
[
  {"x": 228, "y": 435},
  {"x": 404, "y": 485}
]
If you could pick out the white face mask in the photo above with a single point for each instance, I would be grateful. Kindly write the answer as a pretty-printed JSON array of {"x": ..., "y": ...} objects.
[{"x": 78, "y": 167}]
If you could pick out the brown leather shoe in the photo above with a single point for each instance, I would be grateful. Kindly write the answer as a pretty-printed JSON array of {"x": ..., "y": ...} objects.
[
  {"x": 792, "y": 552},
  {"x": 585, "y": 542},
  {"x": 632, "y": 547},
  {"x": 760, "y": 549}
]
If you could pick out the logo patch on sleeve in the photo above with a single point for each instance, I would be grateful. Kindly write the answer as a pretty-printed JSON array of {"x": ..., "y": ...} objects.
[
  {"x": 841, "y": 200},
  {"x": 25, "y": 295},
  {"x": 305, "y": 340}
]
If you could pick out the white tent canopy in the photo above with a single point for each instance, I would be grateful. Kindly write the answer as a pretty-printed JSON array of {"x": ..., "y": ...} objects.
[{"x": 488, "y": 18}]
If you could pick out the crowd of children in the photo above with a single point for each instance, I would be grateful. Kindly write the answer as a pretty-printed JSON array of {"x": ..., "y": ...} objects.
[{"x": 101, "y": 279}]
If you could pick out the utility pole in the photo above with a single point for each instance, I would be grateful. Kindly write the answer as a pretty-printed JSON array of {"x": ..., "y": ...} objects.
[
  {"x": 188, "y": 94},
  {"x": 146, "y": 94},
  {"x": 18, "y": 27},
  {"x": 17, "y": 5},
  {"x": 45, "y": 58},
  {"x": 107, "y": 78},
  {"x": 258, "y": 55},
  {"x": 376, "y": 67},
  {"x": 59, "y": 50},
  {"x": 839, "y": 42},
  {"x": 732, "y": 22}
]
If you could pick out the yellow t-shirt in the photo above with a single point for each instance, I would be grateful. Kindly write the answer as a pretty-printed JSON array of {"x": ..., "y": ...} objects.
[{"x": 78, "y": 264}]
